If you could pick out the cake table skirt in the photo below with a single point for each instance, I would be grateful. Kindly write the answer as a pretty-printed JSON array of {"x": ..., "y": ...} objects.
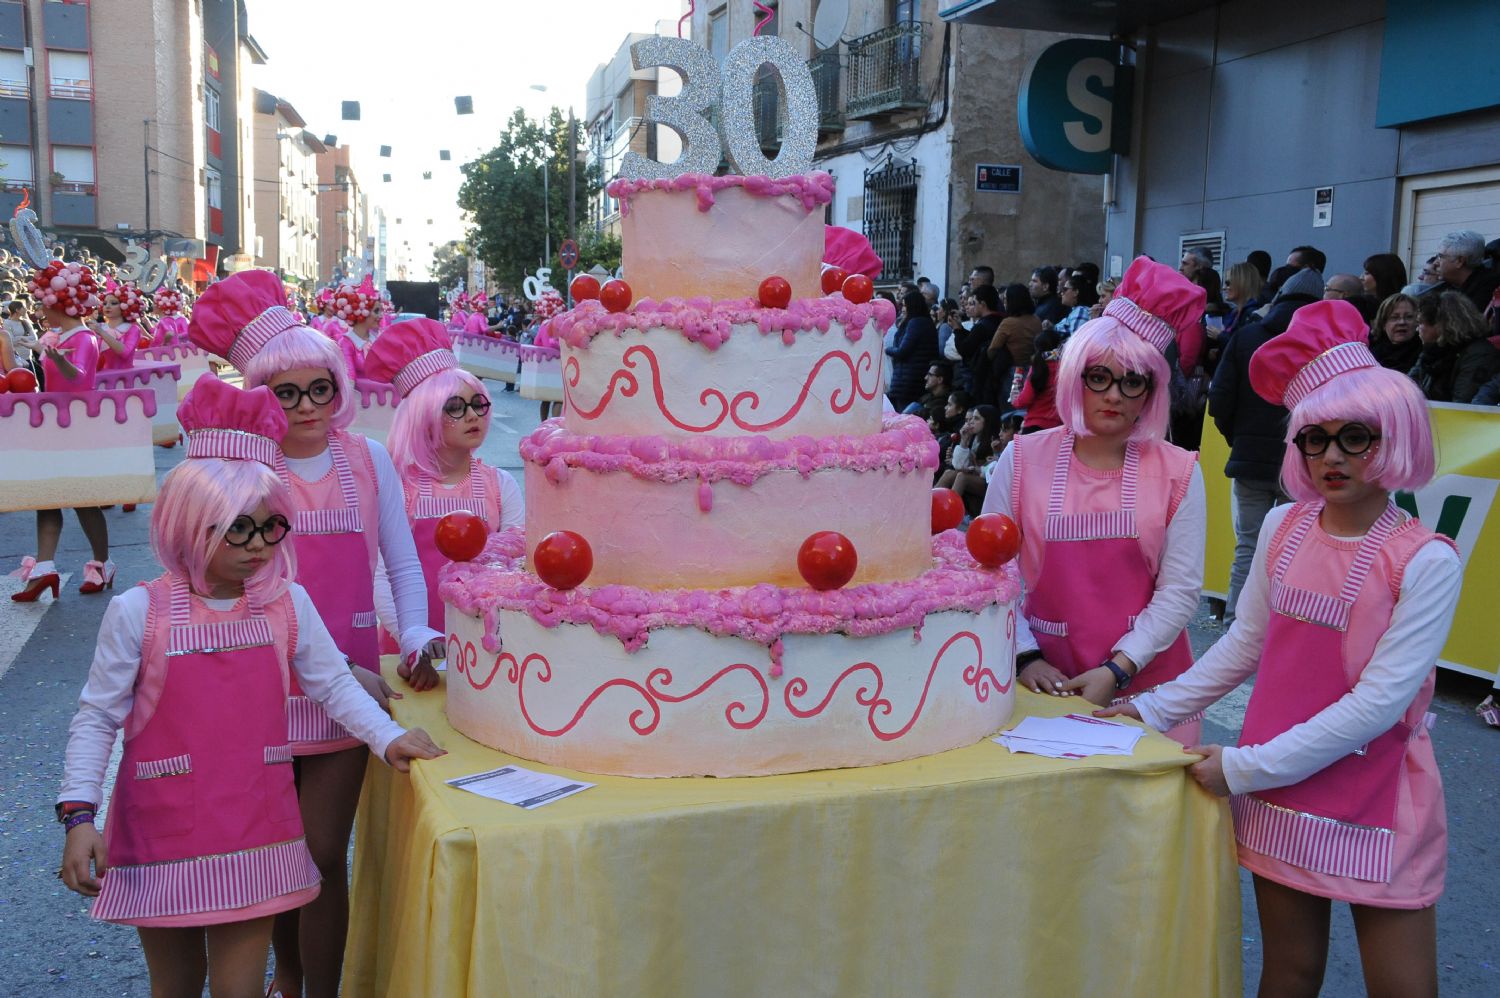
[{"x": 972, "y": 872}]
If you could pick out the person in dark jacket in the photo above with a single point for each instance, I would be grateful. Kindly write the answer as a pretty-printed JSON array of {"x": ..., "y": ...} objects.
[
  {"x": 1457, "y": 356},
  {"x": 1043, "y": 290},
  {"x": 913, "y": 352},
  {"x": 1461, "y": 266},
  {"x": 1393, "y": 334},
  {"x": 1254, "y": 428},
  {"x": 973, "y": 343}
]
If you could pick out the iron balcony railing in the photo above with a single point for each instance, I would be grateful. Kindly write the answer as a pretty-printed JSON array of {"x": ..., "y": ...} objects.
[
  {"x": 883, "y": 74},
  {"x": 14, "y": 88}
]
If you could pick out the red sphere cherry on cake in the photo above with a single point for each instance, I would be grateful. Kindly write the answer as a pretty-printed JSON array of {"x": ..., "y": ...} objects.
[
  {"x": 947, "y": 510},
  {"x": 584, "y": 287},
  {"x": 827, "y": 560},
  {"x": 20, "y": 380},
  {"x": 775, "y": 292},
  {"x": 993, "y": 539},
  {"x": 563, "y": 559},
  {"x": 858, "y": 289},
  {"x": 833, "y": 279},
  {"x": 460, "y": 536},
  {"x": 615, "y": 296}
]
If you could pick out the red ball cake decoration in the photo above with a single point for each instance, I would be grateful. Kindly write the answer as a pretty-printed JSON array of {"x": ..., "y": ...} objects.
[
  {"x": 775, "y": 292},
  {"x": 947, "y": 510},
  {"x": 833, "y": 279},
  {"x": 858, "y": 289},
  {"x": 584, "y": 288},
  {"x": 19, "y": 380},
  {"x": 460, "y": 536},
  {"x": 563, "y": 559},
  {"x": 615, "y": 296},
  {"x": 827, "y": 560},
  {"x": 993, "y": 539}
]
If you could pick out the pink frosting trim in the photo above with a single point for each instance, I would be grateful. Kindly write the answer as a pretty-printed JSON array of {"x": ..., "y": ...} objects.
[
  {"x": 136, "y": 375},
  {"x": 372, "y": 392},
  {"x": 62, "y": 408},
  {"x": 814, "y": 190},
  {"x": 710, "y": 323},
  {"x": 525, "y": 351},
  {"x": 174, "y": 351},
  {"x": 904, "y": 445},
  {"x": 498, "y": 580}
]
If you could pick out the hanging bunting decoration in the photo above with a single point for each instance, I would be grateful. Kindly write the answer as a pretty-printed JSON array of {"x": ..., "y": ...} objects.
[
  {"x": 351, "y": 110},
  {"x": 426, "y": 174},
  {"x": 444, "y": 155},
  {"x": 464, "y": 105},
  {"x": 385, "y": 151},
  {"x": 385, "y": 177},
  {"x": 331, "y": 141}
]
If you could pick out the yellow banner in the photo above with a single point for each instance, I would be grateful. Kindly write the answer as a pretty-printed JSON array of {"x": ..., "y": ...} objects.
[{"x": 1459, "y": 504}]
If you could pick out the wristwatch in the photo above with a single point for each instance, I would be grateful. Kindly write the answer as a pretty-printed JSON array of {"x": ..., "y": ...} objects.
[{"x": 1122, "y": 678}]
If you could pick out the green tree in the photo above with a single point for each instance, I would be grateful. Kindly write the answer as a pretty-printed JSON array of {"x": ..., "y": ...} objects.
[
  {"x": 450, "y": 264},
  {"x": 502, "y": 192},
  {"x": 602, "y": 248}
]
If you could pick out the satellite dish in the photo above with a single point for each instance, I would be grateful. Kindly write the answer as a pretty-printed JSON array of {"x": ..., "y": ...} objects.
[{"x": 829, "y": 22}]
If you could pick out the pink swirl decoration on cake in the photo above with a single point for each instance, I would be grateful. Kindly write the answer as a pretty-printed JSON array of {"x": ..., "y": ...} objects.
[
  {"x": 653, "y": 693},
  {"x": 466, "y": 662},
  {"x": 865, "y": 696},
  {"x": 984, "y": 682},
  {"x": 840, "y": 400}
]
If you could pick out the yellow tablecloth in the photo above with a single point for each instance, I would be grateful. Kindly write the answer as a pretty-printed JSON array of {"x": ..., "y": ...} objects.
[{"x": 975, "y": 872}]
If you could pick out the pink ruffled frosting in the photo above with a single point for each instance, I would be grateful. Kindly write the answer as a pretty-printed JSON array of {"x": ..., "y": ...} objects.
[
  {"x": 498, "y": 580},
  {"x": 814, "y": 190},
  {"x": 904, "y": 445},
  {"x": 710, "y": 323}
]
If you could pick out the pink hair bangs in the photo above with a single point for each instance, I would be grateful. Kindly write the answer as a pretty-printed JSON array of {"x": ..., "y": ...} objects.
[
  {"x": 198, "y": 501},
  {"x": 1386, "y": 401},
  {"x": 416, "y": 434},
  {"x": 298, "y": 347},
  {"x": 1093, "y": 343}
]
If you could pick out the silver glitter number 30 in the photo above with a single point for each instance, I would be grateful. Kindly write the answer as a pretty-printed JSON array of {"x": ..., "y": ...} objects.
[
  {"x": 799, "y": 115},
  {"x": 683, "y": 113},
  {"x": 702, "y": 90}
]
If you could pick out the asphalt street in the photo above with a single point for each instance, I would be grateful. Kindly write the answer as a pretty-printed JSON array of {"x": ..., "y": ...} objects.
[{"x": 49, "y": 945}]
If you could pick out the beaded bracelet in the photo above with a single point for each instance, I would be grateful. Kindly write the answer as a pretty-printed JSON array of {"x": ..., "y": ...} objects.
[{"x": 77, "y": 818}]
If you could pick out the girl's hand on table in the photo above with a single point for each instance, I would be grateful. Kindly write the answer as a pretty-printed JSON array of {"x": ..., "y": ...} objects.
[
  {"x": 1210, "y": 771},
  {"x": 1042, "y": 677}
]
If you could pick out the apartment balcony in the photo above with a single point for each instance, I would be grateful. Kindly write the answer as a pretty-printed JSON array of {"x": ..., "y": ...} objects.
[
  {"x": 72, "y": 89},
  {"x": 11, "y": 196},
  {"x": 883, "y": 71},
  {"x": 826, "y": 71},
  {"x": 75, "y": 203}
]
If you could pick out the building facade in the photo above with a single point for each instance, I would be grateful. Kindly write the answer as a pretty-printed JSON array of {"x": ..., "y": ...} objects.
[
  {"x": 911, "y": 109},
  {"x": 1357, "y": 126},
  {"x": 286, "y": 171},
  {"x": 108, "y": 146},
  {"x": 342, "y": 208}
]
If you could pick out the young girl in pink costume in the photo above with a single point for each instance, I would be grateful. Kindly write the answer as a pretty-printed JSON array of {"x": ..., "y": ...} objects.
[
  {"x": 349, "y": 510},
  {"x": 204, "y": 844},
  {"x": 1334, "y": 786},
  {"x": 120, "y": 333},
  {"x": 359, "y": 309},
  {"x": 478, "y": 322},
  {"x": 171, "y": 327},
  {"x": 68, "y": 295},
  {"x": 1112, "y": 517},
  {"x": 442, "y": 420}
]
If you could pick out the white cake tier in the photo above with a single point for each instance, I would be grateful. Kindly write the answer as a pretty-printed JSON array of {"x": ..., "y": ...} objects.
[
  {"x": 656, "y": 381},
  {"x": 722, "y": 236},
  {"x": 691, "y": 703},
  {"x": 160, "y": 377},
  {"x": 733, "y": 511},
  {"x": 76, "y": 449},
  {"x": 374, "y": 408}
]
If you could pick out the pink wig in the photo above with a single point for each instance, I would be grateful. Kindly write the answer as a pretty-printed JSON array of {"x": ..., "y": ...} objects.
[
  {"x": 1386, "y": 401},
  {"x": 198, "y": 501},
  {"x": 1103, "y": 338},
  {"x": 417, "y": 428},
  {"x": 301, "y": 346}
]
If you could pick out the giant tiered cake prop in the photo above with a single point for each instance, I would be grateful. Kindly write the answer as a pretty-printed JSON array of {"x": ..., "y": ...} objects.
[{"x": 761, "y": 591}]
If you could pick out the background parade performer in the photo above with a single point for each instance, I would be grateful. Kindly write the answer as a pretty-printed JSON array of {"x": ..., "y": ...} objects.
[
  {"x": 67, "y": 294},
  {"x": 1112, "y": 517},
  {"x": 350, "y": 508},
  {"x": 193, "y": 667},
  {"x": 1348, "y": 604}
]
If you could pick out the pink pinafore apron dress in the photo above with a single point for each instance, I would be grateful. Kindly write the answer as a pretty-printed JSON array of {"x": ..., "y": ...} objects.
[
  {"x": 81, "y": 348},
  {"x": 1096, "y": 567},
  {"x": 203, "y": 827},
  {"x": 1369, "y": 828},
  {"x": 335, "y": 531},
  {"x": 130, "y": 336}
]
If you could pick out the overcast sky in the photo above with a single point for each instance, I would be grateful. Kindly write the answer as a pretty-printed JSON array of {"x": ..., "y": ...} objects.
[{"x": 405, "y": 61}]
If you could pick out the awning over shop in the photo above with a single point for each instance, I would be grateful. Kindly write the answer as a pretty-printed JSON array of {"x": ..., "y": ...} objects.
[{"x": 1074, "y": 17}]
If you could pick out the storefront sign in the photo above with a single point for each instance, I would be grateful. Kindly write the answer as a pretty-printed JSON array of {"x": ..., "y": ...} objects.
[{"x": 1074, "y": 107}]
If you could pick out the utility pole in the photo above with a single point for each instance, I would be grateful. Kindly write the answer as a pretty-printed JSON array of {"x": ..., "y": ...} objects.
[
  {"x": 146, "y": 174},
  {"x": 572, "y": 180}
]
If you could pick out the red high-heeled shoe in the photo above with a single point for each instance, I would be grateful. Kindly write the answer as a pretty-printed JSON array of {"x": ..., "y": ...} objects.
[
  {"x": 97, "y": 577},
  {"x": 35, "y": 586}
]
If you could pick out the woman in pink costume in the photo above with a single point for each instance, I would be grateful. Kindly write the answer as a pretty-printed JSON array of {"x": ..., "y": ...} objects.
[
  {"x": 442, "y": 420},
  {"x": 171, "y": 326},
  {"x": 349, "y": 511},
  {"x": 478, "y": 322},
  {"x": 204, "y": 843},
  {"x": 1334, "y": 786},
  {"x": 120, "y": 333},
  {"x": 359, "y": 310},
  {"x": 1112, "y": 517},
  {"x": 67, "y": 295}
]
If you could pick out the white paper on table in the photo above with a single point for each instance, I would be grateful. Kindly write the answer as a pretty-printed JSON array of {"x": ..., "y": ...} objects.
[
  {"x": 1070, "y": 737},
  {"x": 524, "y": 788}
]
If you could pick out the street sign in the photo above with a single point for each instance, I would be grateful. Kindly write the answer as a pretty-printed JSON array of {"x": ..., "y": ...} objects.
[
  {"x": 567, "y": 254},
  {"x": 998, "y": 177}
]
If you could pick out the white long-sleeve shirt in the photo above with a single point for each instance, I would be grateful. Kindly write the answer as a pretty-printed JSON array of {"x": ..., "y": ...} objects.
[
  {"x": 397, "y": 550},
  {"x": 1179, "y": 577},
  {"x": 109, "y": 692},
  {"x": 512, "y": 514},
  {"x": 1400, "y": 663}
]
